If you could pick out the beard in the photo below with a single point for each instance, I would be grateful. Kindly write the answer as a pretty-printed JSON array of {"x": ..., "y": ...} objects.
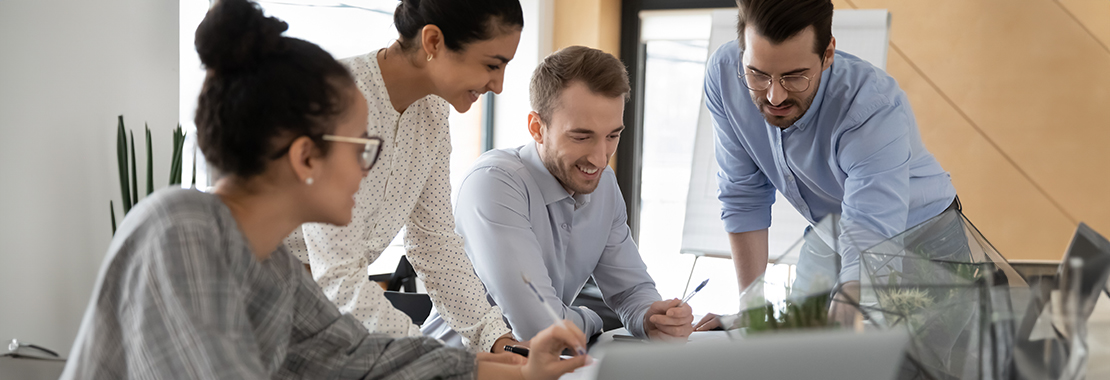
[
  {"x": 566, "y": 173},
  {"x": 785, "y": 121}
]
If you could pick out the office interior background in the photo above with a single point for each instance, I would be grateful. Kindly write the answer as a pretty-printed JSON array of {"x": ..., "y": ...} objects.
[{"x": 1011, "y": 96}]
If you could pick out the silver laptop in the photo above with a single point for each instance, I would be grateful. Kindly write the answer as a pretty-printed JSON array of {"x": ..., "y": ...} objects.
[{"x": 795, "y": 355}]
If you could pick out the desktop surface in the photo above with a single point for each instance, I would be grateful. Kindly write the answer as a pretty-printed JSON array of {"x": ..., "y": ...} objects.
[{"x": 796, "y": 355}]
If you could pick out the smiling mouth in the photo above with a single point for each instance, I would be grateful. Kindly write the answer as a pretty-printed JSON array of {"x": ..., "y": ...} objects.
[
  {"x": 474, "y": 95},
  {"x": 587, "y": 171}
]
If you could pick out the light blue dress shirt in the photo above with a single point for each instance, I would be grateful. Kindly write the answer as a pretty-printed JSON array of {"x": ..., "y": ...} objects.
[
  {"x": 515, "y": 218},
  {"x": 856, "y": 152}
]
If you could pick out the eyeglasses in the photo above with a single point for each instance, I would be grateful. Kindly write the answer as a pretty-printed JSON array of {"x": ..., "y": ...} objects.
[
  {"x": 761, "y": 82},
  {"x": 369, "y": 154}
]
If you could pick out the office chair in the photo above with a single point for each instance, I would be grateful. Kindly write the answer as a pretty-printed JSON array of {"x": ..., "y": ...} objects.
[{"x": 416, "y": 305}]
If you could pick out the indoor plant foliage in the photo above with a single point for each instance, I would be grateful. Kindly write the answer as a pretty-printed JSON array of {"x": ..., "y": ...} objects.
[{"x": 128, "y": 178}]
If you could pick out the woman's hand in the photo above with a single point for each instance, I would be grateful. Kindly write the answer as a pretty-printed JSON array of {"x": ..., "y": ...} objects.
[
  {"x": 543, "y": 356},
  {"x": 502, "y": 357},
  {"x": 708, "y": 322}
]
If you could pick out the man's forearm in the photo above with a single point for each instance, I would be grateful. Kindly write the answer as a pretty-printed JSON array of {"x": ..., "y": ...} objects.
[{"x": 749, "y": 255}]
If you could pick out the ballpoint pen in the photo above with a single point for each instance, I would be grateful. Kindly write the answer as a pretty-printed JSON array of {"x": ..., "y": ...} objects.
[
  {"x": 696, "y": 290},
  {"x": 517, "y": 350},
  {"x": 555, "y": 320}
]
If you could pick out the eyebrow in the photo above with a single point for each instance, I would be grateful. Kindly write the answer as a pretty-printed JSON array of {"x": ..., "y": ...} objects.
[
  {"x": 500, "y": 58},
  {"x": 589, "y": 132},
  {"x": 791, "y": 72}
]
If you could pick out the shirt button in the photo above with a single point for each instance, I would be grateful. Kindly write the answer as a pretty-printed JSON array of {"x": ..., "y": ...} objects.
[{"x": 566, "y": 226}]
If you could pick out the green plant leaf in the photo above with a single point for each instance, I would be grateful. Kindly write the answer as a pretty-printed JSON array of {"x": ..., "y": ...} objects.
[
  {"x": 175, "y": 160},
  {"x": 134, "y": 177},
  {"x": 194, "y": 183},
  {"x": 149, "y": 164},
  {"x": 121, "y": 160},
  {"x": 112, "y": 211}
]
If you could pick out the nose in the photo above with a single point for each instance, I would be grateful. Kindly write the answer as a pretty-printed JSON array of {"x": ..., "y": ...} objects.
[
  {"x": 599, "y": 155},
  {"x": 496, "y": 81},
  {"x": 776, "y": 94}
]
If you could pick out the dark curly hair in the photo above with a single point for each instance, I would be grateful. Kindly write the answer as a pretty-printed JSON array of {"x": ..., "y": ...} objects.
[
  {"x": 261, "y": 87},
  {"x": 462, "y": 22}
]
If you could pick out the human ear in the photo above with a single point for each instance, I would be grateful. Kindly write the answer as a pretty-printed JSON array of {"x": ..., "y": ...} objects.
[
  {"x": 535, "y": 127},
  {"x": 830, "y": 52},
  {"x": 304, "y": 158},
  {"x": 431, "y": 40}
]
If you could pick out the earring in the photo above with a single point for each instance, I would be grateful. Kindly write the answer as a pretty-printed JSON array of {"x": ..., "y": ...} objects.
[
  {"x": 429, "y": 57},
  {"x": 308, "y": 181}
]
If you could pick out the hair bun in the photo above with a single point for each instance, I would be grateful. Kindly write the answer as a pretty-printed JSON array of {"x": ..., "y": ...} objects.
[{"x": 236, "y": 35}]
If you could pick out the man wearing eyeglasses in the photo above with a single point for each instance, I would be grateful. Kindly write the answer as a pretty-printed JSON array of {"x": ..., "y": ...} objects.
[{"x": 831, "y": 132}]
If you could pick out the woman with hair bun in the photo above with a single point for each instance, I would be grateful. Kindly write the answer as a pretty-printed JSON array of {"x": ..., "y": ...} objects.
[
  {"x": 198, "y": 285},
  {"x": 448, "y": 53}
]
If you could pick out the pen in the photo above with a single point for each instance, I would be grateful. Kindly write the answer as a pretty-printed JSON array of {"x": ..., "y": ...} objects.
[
  {"x": 696, "y": 290},
  {"x": 517, "y": 350},
  {"x": 555, "y": 320},
  {"x": 524, "y": 352}
]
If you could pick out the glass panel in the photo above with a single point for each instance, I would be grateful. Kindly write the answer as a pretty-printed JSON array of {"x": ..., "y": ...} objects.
[{"x": 672, "y": 98}]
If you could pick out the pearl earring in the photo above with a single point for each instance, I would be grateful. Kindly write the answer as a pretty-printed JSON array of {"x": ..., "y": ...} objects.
[{"x": 308, "y": 181}]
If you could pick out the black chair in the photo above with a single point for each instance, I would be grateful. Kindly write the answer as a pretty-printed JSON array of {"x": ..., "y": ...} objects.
[
  {"x": 416, "y": 305},
  {"x": 402, "y": 277}
]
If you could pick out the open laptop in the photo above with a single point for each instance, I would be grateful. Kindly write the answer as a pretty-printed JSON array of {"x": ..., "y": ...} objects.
[{"x": 795, "y": 355}]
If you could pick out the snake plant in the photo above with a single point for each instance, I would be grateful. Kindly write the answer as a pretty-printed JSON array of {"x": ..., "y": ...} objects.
[{"x": 128, "y": 179}]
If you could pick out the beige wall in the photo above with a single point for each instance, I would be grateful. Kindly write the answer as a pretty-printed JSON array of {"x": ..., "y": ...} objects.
[
  {"x": 593, "y": 23},
  {"x": 1013, "y": 97}
]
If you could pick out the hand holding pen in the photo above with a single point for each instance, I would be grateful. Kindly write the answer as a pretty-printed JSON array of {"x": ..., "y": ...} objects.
[
  {"x": 579, "y": 349},
  {"x": 671, "y": 319}
]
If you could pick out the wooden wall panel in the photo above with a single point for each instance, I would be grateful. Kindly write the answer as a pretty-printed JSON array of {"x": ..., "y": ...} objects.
[
  {"x": 997, "y": 198},
  {"x": 1013, "y": 97},
  {"x": 593, "y": 23},
  {"x": 1093, "y": 14}
]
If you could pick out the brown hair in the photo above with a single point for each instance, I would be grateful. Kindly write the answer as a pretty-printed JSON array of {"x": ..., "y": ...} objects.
[
  {"x": 601, "y": 72},
  {"x": 778, "y": 20}
]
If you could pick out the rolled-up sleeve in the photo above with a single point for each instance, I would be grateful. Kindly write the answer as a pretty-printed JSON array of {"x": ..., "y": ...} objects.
[
  {"x": 492, "y": 213},
  {"x": 745, "y": 192}
]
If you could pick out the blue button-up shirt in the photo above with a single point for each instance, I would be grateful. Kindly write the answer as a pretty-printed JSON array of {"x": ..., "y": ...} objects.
[
  {"x": 855, "y": 152},
  {"x": 516, "y": 218}
]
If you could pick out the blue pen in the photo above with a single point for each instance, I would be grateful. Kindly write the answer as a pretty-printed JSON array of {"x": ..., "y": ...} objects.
[
  {"x": 555, "y": 320},
  {"x": 696, "y": 290}
]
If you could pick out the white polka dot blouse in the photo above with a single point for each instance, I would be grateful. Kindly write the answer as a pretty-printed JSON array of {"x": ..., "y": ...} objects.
[{"x": 408, "y": 187}]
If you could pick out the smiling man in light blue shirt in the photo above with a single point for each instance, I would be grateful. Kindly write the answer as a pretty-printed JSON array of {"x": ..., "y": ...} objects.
[
  {"x": 831, "y": 132},
  {"x": 551, "y": 210}
]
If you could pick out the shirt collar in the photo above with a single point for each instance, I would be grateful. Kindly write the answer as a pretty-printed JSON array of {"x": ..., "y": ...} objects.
[
  {"x": 813, "y": 108},
  {"x": 550, "y": 187}
]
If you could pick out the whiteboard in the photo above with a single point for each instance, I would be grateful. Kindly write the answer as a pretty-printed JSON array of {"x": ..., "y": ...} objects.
[{"x": 863, "y": 33}]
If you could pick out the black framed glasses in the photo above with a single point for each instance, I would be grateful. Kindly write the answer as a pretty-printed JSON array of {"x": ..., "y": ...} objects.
[
  {"x": 373, "y": 148},
  {"x": 761, "y": 82}
]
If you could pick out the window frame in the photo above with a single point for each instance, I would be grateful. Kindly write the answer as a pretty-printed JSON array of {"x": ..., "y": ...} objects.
[{"x": 634, "y": 56}]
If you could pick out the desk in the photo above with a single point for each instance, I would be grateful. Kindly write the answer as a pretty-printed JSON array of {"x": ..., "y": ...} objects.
[{"x": 812, "y": 354}]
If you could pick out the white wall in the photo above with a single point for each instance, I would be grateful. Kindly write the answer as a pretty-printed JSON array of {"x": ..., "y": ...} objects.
[{"x": 68, "y": 68}]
